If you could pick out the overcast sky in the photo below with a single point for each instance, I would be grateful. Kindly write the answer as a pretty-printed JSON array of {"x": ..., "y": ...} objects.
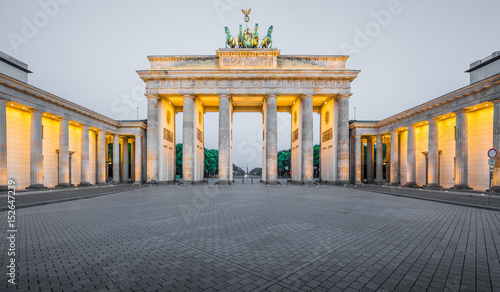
[{"x": 408, "y": 51}]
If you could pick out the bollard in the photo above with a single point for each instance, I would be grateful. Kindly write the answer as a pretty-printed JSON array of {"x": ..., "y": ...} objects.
[{"x": 242, "y": 180}]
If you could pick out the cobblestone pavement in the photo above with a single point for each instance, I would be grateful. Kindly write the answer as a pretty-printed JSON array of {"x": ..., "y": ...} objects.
[{"x": 251, "y": 238}]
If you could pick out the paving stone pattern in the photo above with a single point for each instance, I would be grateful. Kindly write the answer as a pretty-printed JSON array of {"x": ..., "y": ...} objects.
[{"x": 254, "y": 238}]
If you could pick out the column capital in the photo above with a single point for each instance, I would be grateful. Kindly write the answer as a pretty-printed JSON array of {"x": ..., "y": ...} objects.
[
  {"x": 152, "y": 96},
  {"x": 188, "y": 95},
  {"x": 462, "y": 111},
  {"x": 224, "y": 95},
  {"x": 307, "y": 96},
  {"x": 271, "y": 95},
  {"x": 341, "y": 96}
]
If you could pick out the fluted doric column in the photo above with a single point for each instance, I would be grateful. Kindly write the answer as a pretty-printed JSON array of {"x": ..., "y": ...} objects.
[
  {"x": 188, "y": 139},
  {"x": 3, "y": 145},
  {"x": 496, "y": 144},
  {"x": 36, "y": 151},
  {"x": 411, "y": 158},
  {"x": 271, "y": 132},
  {"x": 85, "y": 157},
  {"x": 138, "y": 162},
  {"x": 388, "y": 160},
  {"x": 433, "y": 156},
  {"x": 116, "y": 158},
  {"x": 64, "y": 179},
  {"x": 307, "y": 139},
  {"x": 369, "y": 160},
  {"x": 461, "y": 151},
  {"x": 153, "y": 142},
  {"x": 357, "y": 159},
  {"x": 125, "y": 170},
  {"x": 343, "y": 140},
  {"x": 224, "y": 138},
  {"x": 394, "y": 158},
  {"x": 101, "y": 158},
  {"x": 379, "y": 167}
]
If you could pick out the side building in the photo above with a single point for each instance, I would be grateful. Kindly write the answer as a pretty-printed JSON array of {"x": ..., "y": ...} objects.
[
  {"x": 442, "y": 143},
  {"x": 47, "y": 141}
]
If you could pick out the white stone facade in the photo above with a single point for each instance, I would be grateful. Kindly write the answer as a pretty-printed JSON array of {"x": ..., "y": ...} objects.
[
  {"x": 442, "y": 143},
  {"x": 47, "y": 141}
]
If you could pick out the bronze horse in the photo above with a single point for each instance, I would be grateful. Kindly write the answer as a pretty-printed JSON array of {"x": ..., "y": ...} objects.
[
  {"x": 268, "y": 40},
  {"x": 229, "y": 39}
]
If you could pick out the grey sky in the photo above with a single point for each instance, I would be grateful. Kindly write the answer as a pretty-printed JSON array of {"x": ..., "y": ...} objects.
[{"x": 88, "y": 51}]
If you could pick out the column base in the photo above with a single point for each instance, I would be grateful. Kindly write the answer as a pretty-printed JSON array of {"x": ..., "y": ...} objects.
[
  {"x": 380, "y": 183},
  {"x": 496, "y": 189},
  {"x": 85, "y": 184},
  {"x": 152, "y": 182},
  {"x": 36, "y": 187},
  {"x": 101, "y": 183},
  {"x": 224, "y": 182},
  {"x": 271, "y": 182},
  {"x": 343, "y": 182},
  {"x": 433, "y": 187},
  {"x": 4, "y": 188},
  {"x": 393, "y": 184},
  {"x": 461, "y": 187},
  {"x": 64, "y": 185},
  {"x": 411, "y": 185}
]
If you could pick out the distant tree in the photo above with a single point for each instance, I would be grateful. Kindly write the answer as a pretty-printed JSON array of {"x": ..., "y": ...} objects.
[
  {"x": 256, "y": 171},
  {"x": 284, "y": 162},
  {"x": 211, "y": 161},
  {"x": 178, "y": 159},
  {"x": 237, "y": 170},
  {"x": 316, "y": 160}
]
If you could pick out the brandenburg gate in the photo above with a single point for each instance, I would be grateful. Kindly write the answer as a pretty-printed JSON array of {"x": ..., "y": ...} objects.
[
  {"x": 248, "y": 80},
  {"x": 246, "y": 77}
]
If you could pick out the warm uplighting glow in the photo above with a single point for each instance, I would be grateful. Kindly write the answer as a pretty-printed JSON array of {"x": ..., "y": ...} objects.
[
  {"x": 475, "y": 107},
  {"x": 24, "y": 107},
  {"x": 11, "y": 104}
]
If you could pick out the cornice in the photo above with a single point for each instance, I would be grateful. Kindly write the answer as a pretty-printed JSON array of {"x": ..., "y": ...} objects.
[{"x": 36, "y": 92}]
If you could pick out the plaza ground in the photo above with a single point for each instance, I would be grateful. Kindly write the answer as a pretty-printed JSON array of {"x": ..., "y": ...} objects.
[{"x": 253, "y": 237}]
